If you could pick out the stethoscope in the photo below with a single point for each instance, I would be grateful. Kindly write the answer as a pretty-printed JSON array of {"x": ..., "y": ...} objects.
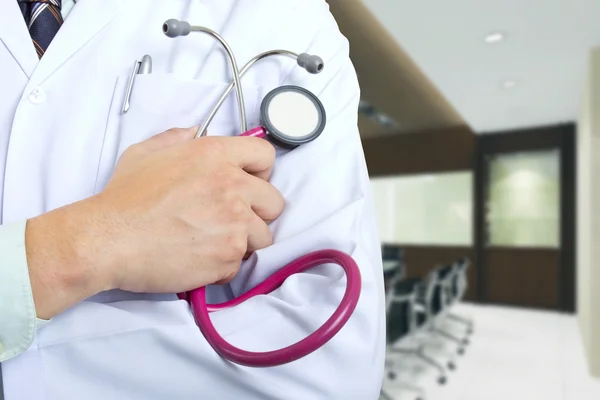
[{"x": 290, "y": 116}]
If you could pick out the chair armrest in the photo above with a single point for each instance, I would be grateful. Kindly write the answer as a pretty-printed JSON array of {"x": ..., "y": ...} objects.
[
  {"x": 401, "y": 298},
  {"x": 419, "y": 308}
]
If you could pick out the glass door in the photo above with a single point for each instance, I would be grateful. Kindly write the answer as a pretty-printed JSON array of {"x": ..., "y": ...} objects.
[
  {"x": 523, "y": 200},
  {"x": 522, "y": 228}
]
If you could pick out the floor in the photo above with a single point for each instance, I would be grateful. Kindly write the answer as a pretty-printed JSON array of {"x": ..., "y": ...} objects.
[{"x": 514, "y": 354}]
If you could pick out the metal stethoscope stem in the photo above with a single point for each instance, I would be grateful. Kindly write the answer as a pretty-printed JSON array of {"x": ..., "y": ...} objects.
[
  {"x": 203, "y": 129},
  {"x": 236, "y": 81}
]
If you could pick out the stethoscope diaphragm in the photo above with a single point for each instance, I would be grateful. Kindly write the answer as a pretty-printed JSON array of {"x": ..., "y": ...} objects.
[{"x": 291, "y": 116}]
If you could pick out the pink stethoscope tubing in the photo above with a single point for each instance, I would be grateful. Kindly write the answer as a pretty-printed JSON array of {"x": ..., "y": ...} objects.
[
  {"x": 197, "y": 298},
  {"x": 201, "y": 311},
  {"x": 259, "y": 132}
]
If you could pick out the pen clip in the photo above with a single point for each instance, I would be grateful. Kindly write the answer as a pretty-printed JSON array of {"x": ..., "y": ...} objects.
[{"x": 134, "y": 72}]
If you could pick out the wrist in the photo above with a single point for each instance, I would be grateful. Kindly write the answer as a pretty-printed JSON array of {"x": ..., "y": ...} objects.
[
  {"x": 64, "y": 257},
  {"x": 93, "y": 246}
]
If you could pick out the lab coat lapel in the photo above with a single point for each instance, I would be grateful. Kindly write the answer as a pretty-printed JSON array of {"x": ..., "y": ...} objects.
[
  {"x": 15, "y": 36},
  {"x": 85, "y": 20}
]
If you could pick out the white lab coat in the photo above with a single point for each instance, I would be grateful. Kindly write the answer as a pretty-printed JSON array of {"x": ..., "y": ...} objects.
[{"x": 59, "y": 144}]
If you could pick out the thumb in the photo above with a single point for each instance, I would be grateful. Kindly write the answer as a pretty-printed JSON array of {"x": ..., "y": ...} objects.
[{"x": 170, "y": 138}]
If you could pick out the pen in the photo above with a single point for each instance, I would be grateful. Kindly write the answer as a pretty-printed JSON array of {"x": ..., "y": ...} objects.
[
  {"x": 139, "y": 67},
  {"x": 146, "y": 65}
]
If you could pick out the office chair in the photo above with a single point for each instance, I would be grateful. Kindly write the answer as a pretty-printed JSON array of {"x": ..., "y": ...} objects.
[
  {"x": 392, "y": 257},
  {"x": 459, "y": 288},
  {"x": 391, "y": 252},
  {"x": 441, "y": 301},
  {"x": 400, "y": 295},
  {"x": 423, "y": 320},
  {"x": 430, "y": 308}
]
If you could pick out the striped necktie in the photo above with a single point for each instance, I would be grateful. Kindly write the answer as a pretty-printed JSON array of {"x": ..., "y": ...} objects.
[{"x": 43, "y": 20}]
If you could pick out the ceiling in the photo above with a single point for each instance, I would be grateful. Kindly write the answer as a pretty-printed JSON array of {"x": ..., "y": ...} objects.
[
  {"x": 544, "y": 53},
  {"x": 390, "y": 80}
]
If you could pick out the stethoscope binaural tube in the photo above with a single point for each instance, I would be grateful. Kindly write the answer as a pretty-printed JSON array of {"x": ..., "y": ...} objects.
[
  {"x": 311, "y": 63},
  {"x": 174, "y": 28}
]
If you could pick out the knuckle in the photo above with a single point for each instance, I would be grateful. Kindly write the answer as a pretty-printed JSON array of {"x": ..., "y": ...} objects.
[
  {"x": 228, "y": 179},
  {"x": 230, "y": 272},
  {"x": 211, "y": 146},
  {"x": 235, "y": 247},
  {"x": 234, "y": 269},
  {"x": 238, "y": 211}
]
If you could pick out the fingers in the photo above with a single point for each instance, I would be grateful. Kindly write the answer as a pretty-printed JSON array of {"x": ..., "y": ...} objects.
[
  {"x": 265, "y": 174},
  {"x": 264, "y": 199},
  {"x": 254, "y": 155},
  {"x": 170, "y": 138},
  {"x": 259, "y": 235}
]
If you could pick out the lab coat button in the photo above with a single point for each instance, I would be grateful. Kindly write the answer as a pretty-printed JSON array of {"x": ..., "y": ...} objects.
[{"x": 38, "y": 95}]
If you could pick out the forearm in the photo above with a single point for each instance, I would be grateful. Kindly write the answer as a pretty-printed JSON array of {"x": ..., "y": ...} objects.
[
  {"x": 64, "y": 261},
  {"x": 47, "y": 264}
]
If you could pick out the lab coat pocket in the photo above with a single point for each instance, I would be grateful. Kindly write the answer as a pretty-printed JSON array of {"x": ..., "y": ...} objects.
[{"x": 163, "y": 101}]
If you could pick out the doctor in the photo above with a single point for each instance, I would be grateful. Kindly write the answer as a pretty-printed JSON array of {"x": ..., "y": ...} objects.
[{"x": 104, "y": 217}]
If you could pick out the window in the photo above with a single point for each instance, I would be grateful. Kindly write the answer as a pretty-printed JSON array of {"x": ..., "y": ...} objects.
[
  {"x": 432, "y": 209},
  {"x": 523, "y": 199}
]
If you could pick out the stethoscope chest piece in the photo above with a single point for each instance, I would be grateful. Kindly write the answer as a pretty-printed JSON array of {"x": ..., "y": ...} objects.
[{"x": 291, "y": 116}]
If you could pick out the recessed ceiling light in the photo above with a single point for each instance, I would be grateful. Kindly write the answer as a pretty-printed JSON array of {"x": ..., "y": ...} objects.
[
  {"x": 494, "y": 37},
  {"x": 365, "y": 107},
  {"x": 383, "y": 119},
  {"x": 508, "y": 84}
]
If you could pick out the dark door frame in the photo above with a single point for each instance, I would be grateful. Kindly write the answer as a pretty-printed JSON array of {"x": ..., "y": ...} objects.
[{"x": 561, "y": 137}]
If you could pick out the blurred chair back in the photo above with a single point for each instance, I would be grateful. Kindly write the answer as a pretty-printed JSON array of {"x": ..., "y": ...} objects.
[
  {"x": 393, "y": 265},
  {"x": 391, "y": 252},
  {"x": 401, "y": 298},
  {"x": 460, "y": 279},
  {"x": 440, "y": 298}
]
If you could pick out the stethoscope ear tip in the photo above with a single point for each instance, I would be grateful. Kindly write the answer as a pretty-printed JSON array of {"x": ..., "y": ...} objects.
[
  {"x": 174, "y": 28},
  {"x": 311, "y": 63}
]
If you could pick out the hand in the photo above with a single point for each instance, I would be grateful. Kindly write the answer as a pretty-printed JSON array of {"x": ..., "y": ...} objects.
[
  {"x": 177, "y": 214},
  {"x": 188, "y": 211}
]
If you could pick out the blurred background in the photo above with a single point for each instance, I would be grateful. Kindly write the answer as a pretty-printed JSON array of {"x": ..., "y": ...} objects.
[{"x": 480, "y": 122}]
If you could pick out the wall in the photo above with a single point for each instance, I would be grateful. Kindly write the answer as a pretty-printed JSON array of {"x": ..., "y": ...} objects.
[
  {"x": 588, "y": 221},
  {"x": 432, "y": 152},
  {"x": 440, "y": 150}
]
